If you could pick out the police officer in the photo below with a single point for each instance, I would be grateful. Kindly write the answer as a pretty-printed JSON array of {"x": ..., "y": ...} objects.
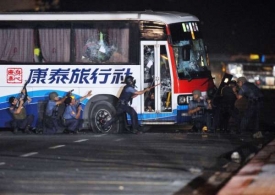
[
  {"x": 51, "y": 119},
  {"x": 123, "y": 106},
  {"x": 197, "y": 109},
  {"x": 255, "y": 98},
  {"x": 227, "y": 104},
  {"x": 20, "y": 118},
  {"x": 71, "y": 116}
]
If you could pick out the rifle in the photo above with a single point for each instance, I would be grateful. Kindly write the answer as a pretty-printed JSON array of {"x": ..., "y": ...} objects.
[
  {"x": 26, "y": 92},
  {"x": 24, "y": 96}
]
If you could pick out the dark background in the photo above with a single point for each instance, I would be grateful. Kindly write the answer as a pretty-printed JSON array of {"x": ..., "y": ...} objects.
[{"x": 229, "y": 26}]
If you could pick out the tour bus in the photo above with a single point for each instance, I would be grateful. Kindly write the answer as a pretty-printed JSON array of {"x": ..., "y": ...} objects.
[{"x": 96, "y": 51}]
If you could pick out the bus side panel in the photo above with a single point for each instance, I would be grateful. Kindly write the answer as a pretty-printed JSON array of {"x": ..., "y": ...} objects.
[{"x": 107, "y": 79}]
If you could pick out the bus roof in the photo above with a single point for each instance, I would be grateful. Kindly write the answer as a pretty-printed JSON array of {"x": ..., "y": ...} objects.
[{"x": 165, "y": 17}]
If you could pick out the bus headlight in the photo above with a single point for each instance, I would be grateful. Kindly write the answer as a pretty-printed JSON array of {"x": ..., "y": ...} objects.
[{"x": 182, "y": 99}]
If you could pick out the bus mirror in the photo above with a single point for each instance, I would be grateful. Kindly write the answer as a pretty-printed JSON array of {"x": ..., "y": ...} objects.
[{"x": 186, "y": 52}]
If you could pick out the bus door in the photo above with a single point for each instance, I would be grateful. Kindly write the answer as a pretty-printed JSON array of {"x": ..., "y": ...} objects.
[{"x": 157, "y": 103}]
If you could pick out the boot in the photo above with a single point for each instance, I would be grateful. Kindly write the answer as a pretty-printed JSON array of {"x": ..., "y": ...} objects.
[{"x": 27, "y": 129}]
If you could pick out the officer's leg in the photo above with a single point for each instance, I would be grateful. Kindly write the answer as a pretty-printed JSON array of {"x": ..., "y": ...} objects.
[
  {"x": 245, "y": 119},
  {"x": 14, "y": 125},
  {"x": 134, "y": 119},
  {"x": 209, "y": 121},
  {"x": 71, "y": 124},
  {"x": 30, "y": 119},
  {"x": 120, "y": 110}
]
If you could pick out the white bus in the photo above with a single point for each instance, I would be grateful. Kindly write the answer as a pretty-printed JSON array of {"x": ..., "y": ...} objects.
[{"x": 96, "y": 51}]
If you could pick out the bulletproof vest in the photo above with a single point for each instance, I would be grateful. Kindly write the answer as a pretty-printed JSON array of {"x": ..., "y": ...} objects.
[
  {"x": 55, "y": 111},
  {"x": 200, "y": 104},
  {"x": 125, "y": 96},
  {"x": 21, "y": 115}
]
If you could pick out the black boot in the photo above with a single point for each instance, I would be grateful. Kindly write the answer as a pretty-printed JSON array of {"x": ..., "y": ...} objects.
[{"x": 27, "y": 129}]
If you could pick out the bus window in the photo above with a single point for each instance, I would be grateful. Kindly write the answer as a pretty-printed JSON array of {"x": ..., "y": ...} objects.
[
  {"x": 16, "y": 45},
  {"x": 55, "y": 44},
  {"x": 102, "y": 43}
]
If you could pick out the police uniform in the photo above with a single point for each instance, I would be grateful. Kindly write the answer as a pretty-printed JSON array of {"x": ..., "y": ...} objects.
[
  {"x": 71, "y": 123},
  {"x": 199, "y": 118},
  {"x": 20, "y": 120},
  {"x": 255, "y": 99},
  {"x": 227, "y": 108},
  {"x": 123, "y": 106},
  {"x": 51, "y": 118}
]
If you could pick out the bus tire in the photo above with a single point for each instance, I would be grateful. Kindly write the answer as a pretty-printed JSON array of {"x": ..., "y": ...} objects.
[{"x": 101, "y": 112}]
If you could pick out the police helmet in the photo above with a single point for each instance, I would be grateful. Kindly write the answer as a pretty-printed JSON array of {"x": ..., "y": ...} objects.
[
  {"x": 129, "y": 80},
  {"x": 241, "y": 79},
  {"x": 197, "y": 92},
  {"x": 53, "y": 95},
  {"x": 11, "y": 99}
]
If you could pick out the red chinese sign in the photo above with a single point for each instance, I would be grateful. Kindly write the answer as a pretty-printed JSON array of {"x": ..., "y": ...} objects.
[{"x": 14, "y": 75}]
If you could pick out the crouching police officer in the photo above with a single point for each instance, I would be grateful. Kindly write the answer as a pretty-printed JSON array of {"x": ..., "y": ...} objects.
[
  {"x": 71, "y": 116},
  {"x": 197, "y": 108},
  {"x": 123, "y": 106},
  {"x": 52, "y": 116},
  {"x": 255, "y": 99},
  {"x": 20, "y": 118}
]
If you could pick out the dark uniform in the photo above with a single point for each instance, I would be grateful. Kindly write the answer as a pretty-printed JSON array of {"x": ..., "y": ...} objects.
[
  {"x": 20, "y": 120},
  {"x": 123, "y": 105},
  {"x": 255, "y": 99},
  {"x": 227, "y": 105}
]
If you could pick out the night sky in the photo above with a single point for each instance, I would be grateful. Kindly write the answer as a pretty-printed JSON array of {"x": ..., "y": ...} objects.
[{"x": 229, "y": 26}]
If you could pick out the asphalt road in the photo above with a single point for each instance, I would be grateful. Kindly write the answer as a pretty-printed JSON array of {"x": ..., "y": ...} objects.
[{"x": 151, "y": 163}]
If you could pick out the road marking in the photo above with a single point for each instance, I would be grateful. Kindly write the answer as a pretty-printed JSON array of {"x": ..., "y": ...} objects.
[
  {"x": 2, "y": 163},
  {"x": 58, "y": 146},
  {"x": 100, "y": 135},
  {"x": 117, "y": 140},
  {"x": 29, "y": 154},
  {"x": 81, "y": 140}
]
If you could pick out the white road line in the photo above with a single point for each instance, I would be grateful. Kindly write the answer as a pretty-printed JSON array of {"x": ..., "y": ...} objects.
[
  {"x": 99, "y": 135},
  {"x": 2, "y": 163},
  {"x": 29, "y": 154},
  {"x": 117, "y": 140},
  {"x": 58, "y": 146},
  {"x": 81, "y": 140}
]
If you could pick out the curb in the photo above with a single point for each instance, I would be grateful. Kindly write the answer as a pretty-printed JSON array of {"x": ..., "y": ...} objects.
[{"x": 256, "y": 177}]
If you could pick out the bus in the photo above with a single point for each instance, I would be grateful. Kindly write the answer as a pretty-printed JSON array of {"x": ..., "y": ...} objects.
[{"x": 96, "y": 51}]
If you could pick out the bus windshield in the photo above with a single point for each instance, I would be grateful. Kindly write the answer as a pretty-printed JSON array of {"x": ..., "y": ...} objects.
[{"x": 189, "y": 51}]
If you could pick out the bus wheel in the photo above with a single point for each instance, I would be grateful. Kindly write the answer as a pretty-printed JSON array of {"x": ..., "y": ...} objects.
[{"x": 100, "y": 113}]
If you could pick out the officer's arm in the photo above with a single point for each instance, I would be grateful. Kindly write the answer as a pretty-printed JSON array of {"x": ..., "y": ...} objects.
[
  {"x": 194, "y": 110},
  {"x": 60, "y": 101},
  {"x": 85, "y": 96},
  {"x": 142, "y": 92},
  {"x": 77, "y": 116}
]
